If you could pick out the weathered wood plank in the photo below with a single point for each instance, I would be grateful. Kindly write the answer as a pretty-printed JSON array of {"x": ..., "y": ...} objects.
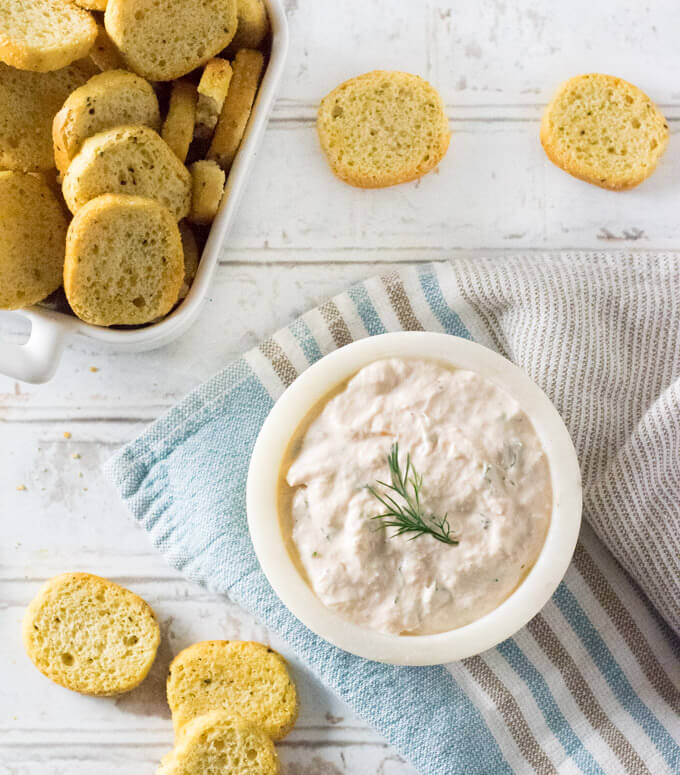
[
  {"x": 495, "y": 189},
  {"x": 489, "y": 52}
]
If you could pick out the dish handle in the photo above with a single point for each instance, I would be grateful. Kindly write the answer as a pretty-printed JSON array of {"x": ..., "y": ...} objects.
[{"x": 37, "y": 359}]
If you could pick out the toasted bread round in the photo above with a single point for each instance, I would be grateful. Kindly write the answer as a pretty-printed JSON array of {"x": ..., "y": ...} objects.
[
  {"x": 124, "y": 262},
  {"x": 128, "y": 160},
  {"x": 92, "y": 5},
  {"x": 178, "y": 127},
  {"x": 90, "y": 635},
  {"x": 192, "y": 257},
  {"x": 164, "y": 41},
  {"x": 219, "y": 743},
  {"x": 207, "y": 189},
  {"x": 107, "y": 100},
  {"x": 604, "y": 130},
  {"x": 383, "y": 128},
  {"x": 212, "y": 91},
  {"x": 245, "y": 678},
  {"x": 237, "y": 107},
  {"x": 104, "y": 53},
  {"x": 43, "y": 35},
  {"x": 253, "y": 25},
  {"x": 32, "y": 234},
  {"x": 28, "y": 103}
]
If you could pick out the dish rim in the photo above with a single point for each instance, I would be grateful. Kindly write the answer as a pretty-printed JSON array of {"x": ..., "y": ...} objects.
[{"x": 484, "y": 633}]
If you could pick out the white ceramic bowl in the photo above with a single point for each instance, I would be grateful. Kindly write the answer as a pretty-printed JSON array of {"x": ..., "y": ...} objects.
[
  {"x": 528, "y": 598},
  {"x": 37, "y": 359}
]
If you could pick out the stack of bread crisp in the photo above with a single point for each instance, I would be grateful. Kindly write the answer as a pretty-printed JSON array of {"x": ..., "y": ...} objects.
[
  {"x": 230, "y": 700},
  {"x": 120, "y": 121}
]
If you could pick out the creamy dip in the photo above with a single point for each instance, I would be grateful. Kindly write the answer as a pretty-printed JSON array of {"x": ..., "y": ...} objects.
[{"x": 481, "y": 463}]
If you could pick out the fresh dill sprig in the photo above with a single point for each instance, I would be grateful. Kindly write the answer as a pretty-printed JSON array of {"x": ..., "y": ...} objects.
[{"x": 408, "y": 517}]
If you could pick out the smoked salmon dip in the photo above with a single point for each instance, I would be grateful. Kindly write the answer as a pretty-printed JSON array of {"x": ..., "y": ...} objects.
[{"x": 473, "y": 504}]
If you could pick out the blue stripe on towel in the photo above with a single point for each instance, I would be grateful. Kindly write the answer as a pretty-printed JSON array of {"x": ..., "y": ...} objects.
[
  {"x": 306, "y": 340},
  {"x": 369, "y": 317},
  {"x": 444, "y": 314}
]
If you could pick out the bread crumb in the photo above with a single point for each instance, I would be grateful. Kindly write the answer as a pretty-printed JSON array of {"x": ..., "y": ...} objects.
[
  {"x": 67, "y": 434},
  {"x": 21, "y": 487},
  {"x": 94, "y": 369}
]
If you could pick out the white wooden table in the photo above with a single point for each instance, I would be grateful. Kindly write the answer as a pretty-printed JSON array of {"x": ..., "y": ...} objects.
[{"x": 301, "y": 236}]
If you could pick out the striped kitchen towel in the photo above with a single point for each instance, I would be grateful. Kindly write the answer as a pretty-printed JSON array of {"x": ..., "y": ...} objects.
[{"x": 591, "y": 684}]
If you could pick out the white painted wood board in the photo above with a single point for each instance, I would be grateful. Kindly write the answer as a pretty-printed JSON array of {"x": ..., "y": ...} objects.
[{"x": 300, "y": 237}]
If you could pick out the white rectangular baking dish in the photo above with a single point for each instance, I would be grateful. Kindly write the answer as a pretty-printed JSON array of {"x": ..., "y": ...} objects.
[{"x": 37, "y": 359}]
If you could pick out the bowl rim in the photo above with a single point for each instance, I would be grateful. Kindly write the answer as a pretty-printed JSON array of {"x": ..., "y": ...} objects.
[{"x": 478, "y": 636}]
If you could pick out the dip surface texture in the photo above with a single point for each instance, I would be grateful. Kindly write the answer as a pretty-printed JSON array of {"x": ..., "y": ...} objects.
[{"x": 481, "y": 463}]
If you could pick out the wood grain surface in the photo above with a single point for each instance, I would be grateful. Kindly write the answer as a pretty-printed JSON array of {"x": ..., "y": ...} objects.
[{"x": 301, "y": 236}]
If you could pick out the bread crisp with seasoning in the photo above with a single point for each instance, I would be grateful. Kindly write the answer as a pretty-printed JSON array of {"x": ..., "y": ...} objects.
[
  {"x": 192, "y": 258},
  {"x": 166, "y": 40},
  {"x": 604, "y": 130},
  {"x": 180, "y": 121},
  {"x": 104, "y": 53},
  {"x": 110, "y": 99},
  {"x": 243, "y": 677},
  {"x": 128, "y": 160},
  {"x": 219, "y": 743},
  {"x": 32, "y": 100},
  {"x": 32, "y": 234},
  {"x": 90, "y": 635},
  {"x": 124, "y": 262},
  {"x": 44, "y": 35},
  {"x": 237, "y": 107},
  {"x": 383, "y": 128},
  {"x": 253, "y": 25},
  {"x": 212, "y": 91},
  {"x": 207, "y": 189}
]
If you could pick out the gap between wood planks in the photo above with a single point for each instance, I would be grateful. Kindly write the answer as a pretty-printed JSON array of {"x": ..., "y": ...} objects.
[
  {"x": 288, "y": 112},
  {"x": 342, "y": 256}
]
